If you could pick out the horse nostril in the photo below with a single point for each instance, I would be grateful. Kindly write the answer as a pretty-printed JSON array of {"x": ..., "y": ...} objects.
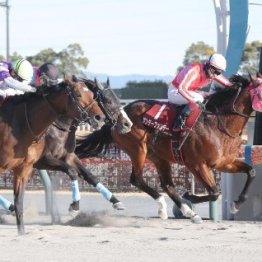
[{"x": 97, "y": 117}]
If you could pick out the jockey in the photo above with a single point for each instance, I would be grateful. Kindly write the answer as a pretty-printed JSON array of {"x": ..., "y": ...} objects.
[
  {"x": 184, "y": 88},
  {"x": 46, "y": 73},
  {"x": 14, "y": 78}
]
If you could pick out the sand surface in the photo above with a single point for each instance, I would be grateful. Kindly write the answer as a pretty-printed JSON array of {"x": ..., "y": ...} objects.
[{"x": 100, "y": 233}]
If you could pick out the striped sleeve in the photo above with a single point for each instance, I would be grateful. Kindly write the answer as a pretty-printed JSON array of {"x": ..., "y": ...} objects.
[
  {"x": 189, "y": 77},
  {"x": 223, "y": 81}
]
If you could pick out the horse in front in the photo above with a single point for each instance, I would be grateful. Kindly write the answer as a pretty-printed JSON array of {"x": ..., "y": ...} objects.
[{"x": 211, "y": 142}]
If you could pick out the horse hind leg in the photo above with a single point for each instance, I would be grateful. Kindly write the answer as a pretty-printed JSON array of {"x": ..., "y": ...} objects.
[
  {"x": 92, "y": 180},
  {"x": 136, "y": 179},
  {"x": 205, "y": 177},
  {"x": 164, "y": 171},
  {"x": 239, "y": 166}
]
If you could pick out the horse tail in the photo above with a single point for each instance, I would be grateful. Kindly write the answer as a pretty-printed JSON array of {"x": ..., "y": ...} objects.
[{"x": 94, "y": 143}]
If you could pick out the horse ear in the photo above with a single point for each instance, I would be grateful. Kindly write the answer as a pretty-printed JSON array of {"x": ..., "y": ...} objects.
[
  {"x": 252, "y": 78},
  {"x": 99, "y": 85},
  {"x": 74, "y": 78},
  {"x": 65, "y": 76},
  {"x": 107, "y": 82},
  {"x": 259, "y": 75}
]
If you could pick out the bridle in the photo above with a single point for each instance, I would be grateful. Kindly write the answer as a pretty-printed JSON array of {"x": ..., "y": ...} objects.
[
  {"x": 111, "y": 114},
  {"x": 232, "y": 112}
]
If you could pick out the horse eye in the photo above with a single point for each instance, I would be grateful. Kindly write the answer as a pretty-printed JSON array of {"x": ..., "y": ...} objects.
[{"x": 78, "y": 94}]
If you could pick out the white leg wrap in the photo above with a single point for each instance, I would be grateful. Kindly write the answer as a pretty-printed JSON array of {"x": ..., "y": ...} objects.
[
  {"x": 187, "y": 211},
  {"x": 162, "y": 207}
]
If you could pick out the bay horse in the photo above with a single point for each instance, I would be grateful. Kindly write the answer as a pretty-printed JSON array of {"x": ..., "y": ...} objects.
[
  {"x": 60, "y": 144},
  {"x": 212, "y": 144},
  {"x": 23, "y": 122}
]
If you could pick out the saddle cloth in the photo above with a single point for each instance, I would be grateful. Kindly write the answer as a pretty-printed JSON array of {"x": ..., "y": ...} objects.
[{"x": 161, "y": 117}]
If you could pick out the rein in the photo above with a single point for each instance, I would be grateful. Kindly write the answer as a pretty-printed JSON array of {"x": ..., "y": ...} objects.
[{"x": 110, "y": 114}]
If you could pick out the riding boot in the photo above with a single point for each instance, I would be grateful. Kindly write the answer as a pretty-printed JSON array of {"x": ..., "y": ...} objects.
[{"x": 181, "y": 120}]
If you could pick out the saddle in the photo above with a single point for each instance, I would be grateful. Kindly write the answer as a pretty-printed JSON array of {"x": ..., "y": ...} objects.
[{"x": 161, "y": 117}]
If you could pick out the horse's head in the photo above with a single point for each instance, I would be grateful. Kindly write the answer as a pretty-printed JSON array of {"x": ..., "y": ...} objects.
[
  {"x": 110, "y": 105},
  {"x": 233, "y": 99},
  {"x": 255, "y": 89},
  {"x": 87, "y": 107}
]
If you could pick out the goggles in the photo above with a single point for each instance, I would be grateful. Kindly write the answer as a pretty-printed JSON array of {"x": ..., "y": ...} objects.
[{"x": 215, "y": 71}]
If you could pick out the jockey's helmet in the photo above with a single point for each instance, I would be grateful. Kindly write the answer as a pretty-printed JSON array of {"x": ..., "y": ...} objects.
[
  {"x": 50, "y": 70},
  {"x": 23, "y": 69},
  {"x": 217, "y": 61}
]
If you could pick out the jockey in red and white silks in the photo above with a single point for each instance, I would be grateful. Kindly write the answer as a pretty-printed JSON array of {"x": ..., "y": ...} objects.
[{"x": 184, "y": 88}]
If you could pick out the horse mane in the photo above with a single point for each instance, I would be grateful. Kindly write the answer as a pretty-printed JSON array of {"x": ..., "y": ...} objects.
[
  {"x": 17, "y": 99},
  {"x": 89, "y": 83},
  {"x": 43, "y": 90},
  {"x": 224, "y": 96}
]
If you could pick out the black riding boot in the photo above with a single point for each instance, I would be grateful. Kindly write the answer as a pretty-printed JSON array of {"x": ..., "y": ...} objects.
[{"x": 181, "y": 120}]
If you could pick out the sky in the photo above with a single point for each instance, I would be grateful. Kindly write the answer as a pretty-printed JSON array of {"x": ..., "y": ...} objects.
[{"x": 118, "y": 36}]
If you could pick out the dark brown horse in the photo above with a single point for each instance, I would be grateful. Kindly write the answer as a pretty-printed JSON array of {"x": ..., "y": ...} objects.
[
  {"x": 213, "y": 143},
  {"x": 23, "y": 123},
  {"x": 60, "y": 144}
]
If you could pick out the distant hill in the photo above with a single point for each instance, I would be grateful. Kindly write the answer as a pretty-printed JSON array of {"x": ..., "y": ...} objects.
[{"x": 121, "y": 80}]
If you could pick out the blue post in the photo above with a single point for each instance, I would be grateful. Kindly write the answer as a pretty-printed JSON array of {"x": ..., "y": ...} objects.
[
  {"x": 237, "y": 34},
  {"x": 213, "y": 209},
  {"x": 48, "y": 190},
  {"x": 236, "y": 44}
]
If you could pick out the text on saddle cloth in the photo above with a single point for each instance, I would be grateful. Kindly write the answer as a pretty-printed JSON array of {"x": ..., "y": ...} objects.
[{"x": 161, "y": 116}]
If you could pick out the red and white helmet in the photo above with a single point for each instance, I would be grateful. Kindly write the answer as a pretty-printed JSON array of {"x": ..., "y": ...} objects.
[{"x": 218, "y": 61}]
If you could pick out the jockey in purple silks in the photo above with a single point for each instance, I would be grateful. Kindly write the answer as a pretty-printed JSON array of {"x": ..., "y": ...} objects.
[{"x": 15, "y": 78}]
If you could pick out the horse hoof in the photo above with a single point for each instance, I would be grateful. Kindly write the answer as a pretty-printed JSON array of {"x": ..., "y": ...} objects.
[
  {"x": 74, "y": 206},
  {"x": 233, "y": 208},
  {"x": 119, "y": 206},
  {"x": 73, "y": 213},
  {"x": 196, "y": 219},
  {"x": 163, "y": 214}
]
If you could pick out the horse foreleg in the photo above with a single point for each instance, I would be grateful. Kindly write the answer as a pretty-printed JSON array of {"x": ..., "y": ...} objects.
[
  {"x": 239, "y": 166},
  {"x": 20, "y": 180},
  {"x": 164, "y": 171}
]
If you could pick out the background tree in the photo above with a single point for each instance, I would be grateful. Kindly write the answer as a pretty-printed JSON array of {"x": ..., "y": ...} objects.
[
  {"x": 70, "y": 60},
  {"x": 250, "y": 58},
  {"x": 198, "y": 52},
  {"x": 143, "y": 90}
]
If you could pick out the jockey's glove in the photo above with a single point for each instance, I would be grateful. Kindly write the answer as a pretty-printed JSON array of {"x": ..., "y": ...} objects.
[
  {"x": 201, "y": 105},
  {"x": 32, "y": 89}
]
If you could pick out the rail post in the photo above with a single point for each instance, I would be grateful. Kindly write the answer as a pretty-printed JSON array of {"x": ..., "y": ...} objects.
[{"x": 48, "y": 190}]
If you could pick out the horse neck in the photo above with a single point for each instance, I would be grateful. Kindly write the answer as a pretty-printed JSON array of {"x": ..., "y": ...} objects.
[
  {"x": 241, "y": 109},
  {"x": 42, "y": 112}
]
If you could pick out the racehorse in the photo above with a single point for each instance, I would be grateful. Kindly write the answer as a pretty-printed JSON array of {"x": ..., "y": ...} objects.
[
  {"x": 23, "y": 123},
  {"x": 60, "y": 144},
  {"x": 212, "y": 144}
]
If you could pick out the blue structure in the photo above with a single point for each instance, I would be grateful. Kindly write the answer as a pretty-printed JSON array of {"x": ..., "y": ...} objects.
[{"x": 237, "y": 34}]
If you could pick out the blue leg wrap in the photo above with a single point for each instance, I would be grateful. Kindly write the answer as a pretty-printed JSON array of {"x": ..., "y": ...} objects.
[
  {"x": 4, "y": 203},
  {"x": 75, "y": 191},
  {"x": 104, "y": 191}
]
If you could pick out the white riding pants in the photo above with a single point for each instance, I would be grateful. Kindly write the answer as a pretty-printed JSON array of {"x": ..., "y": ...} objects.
[{"x": 175, "y": 97}]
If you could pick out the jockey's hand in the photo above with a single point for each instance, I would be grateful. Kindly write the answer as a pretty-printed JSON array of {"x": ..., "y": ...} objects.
[{"x": 201, "y": 106}]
